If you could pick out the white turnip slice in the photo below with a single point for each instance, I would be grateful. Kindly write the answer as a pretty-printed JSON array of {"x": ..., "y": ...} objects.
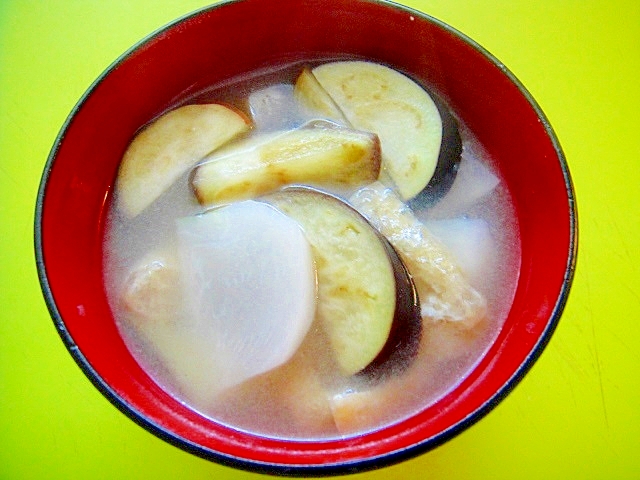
[{"x": 249, "y": 289}]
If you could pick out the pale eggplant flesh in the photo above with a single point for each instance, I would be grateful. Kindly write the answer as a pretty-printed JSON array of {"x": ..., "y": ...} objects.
[
  {"x": 448, "y": 159},
  {"x": 404, "y": 337}
]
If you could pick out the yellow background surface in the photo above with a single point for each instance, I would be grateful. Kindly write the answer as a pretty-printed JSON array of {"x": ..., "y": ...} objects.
[{"x": 575, "y": 415}]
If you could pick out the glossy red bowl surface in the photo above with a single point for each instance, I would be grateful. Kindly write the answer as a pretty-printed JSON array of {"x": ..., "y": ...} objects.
[{"x": 228, "y": 39}]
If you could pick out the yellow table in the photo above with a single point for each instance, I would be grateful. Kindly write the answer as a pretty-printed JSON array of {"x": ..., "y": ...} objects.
[{"x": 577, "y": 413}]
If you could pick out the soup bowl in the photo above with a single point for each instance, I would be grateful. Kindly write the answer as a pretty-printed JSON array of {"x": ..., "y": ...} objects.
[{"x": 230, "y": 39}]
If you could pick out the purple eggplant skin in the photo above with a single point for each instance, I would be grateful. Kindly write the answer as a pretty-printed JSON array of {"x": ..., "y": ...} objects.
[{"x": 406, "y": 330}]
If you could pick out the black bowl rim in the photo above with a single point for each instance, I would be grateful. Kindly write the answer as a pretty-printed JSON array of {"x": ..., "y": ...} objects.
[{"x": 317, "y": 470}]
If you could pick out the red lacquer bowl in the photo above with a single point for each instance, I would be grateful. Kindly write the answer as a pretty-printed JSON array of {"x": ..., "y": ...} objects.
[{"x": 228, "y": 39}]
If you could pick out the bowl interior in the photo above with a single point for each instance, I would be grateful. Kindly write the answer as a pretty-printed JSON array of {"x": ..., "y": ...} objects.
[{"x": 238, "y": 37}]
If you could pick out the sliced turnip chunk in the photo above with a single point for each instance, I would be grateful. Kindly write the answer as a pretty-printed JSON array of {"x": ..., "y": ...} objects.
[
  {"x": 275, "y": 108},
  {"x": 473, "y": 182},
  {"x": 469, "y": 240},
  {"x": 249, "y": 286}
]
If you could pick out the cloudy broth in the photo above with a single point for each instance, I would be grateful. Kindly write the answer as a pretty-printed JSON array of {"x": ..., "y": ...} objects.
[{"x": 302, "y": 399}]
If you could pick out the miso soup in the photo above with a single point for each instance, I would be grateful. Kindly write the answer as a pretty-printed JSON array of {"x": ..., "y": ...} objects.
[{"x": 275, "y": 314}]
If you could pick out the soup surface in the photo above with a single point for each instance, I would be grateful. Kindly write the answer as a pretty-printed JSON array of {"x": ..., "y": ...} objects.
[{"x": 228, "y": 286}]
